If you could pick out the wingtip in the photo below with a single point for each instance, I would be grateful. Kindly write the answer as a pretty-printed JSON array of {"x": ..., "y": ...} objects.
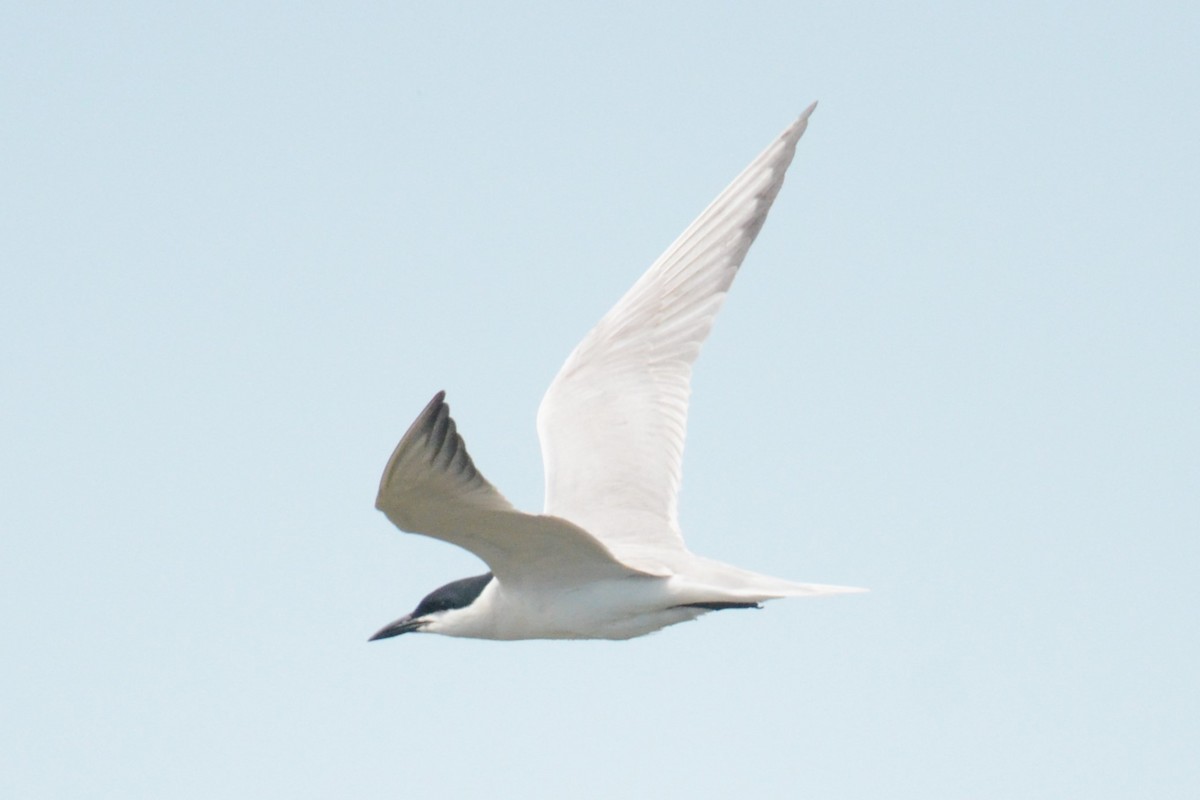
[
  {"x": 435, "y": 403},
  {"x": 797, "y": 128}
]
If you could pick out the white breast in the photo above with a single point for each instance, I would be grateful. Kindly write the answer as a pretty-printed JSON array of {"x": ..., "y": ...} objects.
[{"x": 609, "y": 609}]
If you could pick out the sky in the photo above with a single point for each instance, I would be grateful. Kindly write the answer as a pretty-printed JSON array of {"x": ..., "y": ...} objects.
[{"x": 243, "y": 244}]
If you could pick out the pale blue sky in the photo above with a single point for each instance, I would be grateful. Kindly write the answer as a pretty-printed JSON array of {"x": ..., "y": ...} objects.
[{"x": 243, "y": 247}]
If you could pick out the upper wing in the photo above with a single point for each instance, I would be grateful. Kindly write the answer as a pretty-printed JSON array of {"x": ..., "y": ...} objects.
[
  {"x": 612, "y": 423},
  {"x": 431, "y": 486}
]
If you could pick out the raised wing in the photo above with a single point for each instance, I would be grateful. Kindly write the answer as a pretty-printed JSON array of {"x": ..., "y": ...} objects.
[
  {"x": 431, "y": 486},
  {"x": 613, "y": 422}
]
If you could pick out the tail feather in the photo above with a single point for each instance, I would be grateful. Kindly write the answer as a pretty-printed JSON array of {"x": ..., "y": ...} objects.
[{"x": 713, "y": 582}]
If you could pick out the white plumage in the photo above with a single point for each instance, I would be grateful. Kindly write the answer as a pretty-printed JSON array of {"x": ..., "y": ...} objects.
[{"x": 606, "y": 558}]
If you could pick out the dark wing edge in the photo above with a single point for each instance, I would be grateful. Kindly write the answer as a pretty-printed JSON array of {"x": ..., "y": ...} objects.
[{"x": 430, "y": 475}]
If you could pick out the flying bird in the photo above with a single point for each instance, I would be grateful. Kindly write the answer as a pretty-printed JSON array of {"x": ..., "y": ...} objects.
[{"x": 606, "y": 558}]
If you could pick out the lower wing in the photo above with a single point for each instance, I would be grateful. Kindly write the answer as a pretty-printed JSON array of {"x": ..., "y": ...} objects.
[{"x": 430, "y": 486}]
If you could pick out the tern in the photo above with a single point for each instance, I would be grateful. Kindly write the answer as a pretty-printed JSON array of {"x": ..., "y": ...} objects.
[{"x": 606, "y": 558}]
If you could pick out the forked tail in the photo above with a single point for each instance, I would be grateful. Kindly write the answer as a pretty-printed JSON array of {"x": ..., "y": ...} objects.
[{"x": 717, "y": 585}]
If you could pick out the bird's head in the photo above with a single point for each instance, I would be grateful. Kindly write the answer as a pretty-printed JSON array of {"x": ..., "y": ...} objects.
[{"x": 432, "y": 613}]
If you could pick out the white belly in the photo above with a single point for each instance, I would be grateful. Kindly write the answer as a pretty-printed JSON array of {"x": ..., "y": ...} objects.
[{"x": 619, "y": 609}]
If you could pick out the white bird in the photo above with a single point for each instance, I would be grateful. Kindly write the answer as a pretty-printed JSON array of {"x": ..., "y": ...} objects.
[{"x": 606, "y": 558}]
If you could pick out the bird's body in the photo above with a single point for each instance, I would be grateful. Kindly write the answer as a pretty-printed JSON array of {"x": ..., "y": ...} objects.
[
  {"x": 606, "y": 558},
  {"x": 606, "y": 609}
]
